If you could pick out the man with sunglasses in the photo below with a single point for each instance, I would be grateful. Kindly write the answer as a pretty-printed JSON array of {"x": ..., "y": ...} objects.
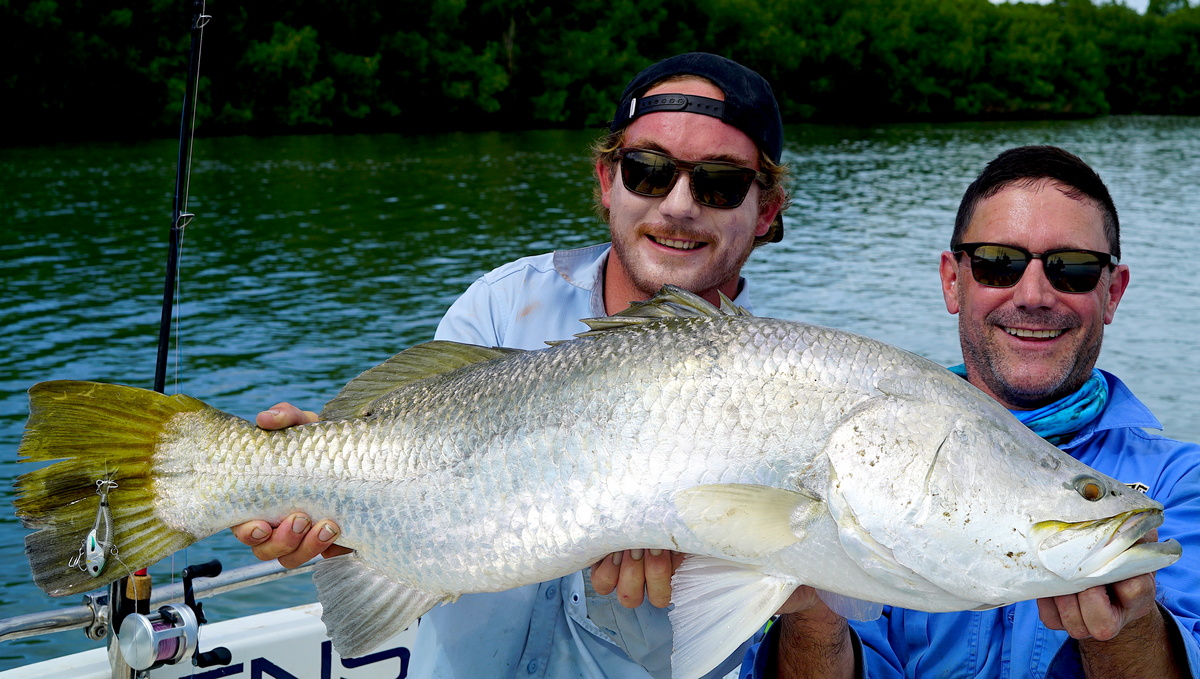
[
  {"x": 690, "y": 182},
  {"x": 1033, "y": 275}
]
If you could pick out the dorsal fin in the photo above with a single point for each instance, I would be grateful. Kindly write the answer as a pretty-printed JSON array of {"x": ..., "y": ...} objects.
[
  {"x": 415, "y": 363},
  {"x": 669, "y": 302}
]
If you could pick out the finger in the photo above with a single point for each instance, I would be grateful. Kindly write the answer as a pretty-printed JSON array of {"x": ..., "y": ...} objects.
[
  {"x": 659, "y": 568},
  {"x": 285, "y": 538},
  {"x": 1071, "y": 617},
  {"x": 1101, "y": 618},
  {"x": 284, "y": 415},
  {"x": 1048, "y": 612},
  {"x": 631, "y": 585},
  {"x": 1135, "y": 597},
  {"x": 316, "y": 540},
  {"x": 605, "y": 574},
  {"x": 252, "y": 532}
]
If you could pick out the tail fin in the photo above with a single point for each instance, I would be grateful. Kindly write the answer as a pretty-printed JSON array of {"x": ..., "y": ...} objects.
[{"x": 95, "y": 506}]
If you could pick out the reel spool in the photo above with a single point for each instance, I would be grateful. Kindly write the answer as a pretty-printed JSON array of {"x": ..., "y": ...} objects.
[{"x": 171, "y": 633}]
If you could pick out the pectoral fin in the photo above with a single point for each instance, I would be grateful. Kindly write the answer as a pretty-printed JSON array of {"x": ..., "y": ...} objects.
[
  {"x": 718, "y": 606},
  {"x": 362, "y": 608},
  {"x": 745, "y": 520}
]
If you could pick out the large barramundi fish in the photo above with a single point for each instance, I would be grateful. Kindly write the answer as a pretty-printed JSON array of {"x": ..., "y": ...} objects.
[{"x": 774, "y": 453}]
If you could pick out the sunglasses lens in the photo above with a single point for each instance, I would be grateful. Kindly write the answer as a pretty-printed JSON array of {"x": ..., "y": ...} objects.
[
  {"x": 1073, "y": 271},
  {"x": 998, "y": 266},
  {"x": 647, "y": 174},
  {"x": 720, "y": 185},
  {"x": 713, "y": 184}
]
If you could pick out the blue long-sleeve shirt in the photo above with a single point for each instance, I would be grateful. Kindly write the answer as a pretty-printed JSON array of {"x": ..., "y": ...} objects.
[{"x": 1011, "y": 641}]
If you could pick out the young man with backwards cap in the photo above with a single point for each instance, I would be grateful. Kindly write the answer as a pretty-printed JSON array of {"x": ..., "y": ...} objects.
[{"x": 690, "y": 181}]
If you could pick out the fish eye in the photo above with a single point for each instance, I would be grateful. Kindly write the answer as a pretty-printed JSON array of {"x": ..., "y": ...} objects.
[{"x": 1091, "y": 488}]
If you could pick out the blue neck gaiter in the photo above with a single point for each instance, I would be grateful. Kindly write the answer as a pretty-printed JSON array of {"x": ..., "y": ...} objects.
[{"x": 1058, "y": 421}]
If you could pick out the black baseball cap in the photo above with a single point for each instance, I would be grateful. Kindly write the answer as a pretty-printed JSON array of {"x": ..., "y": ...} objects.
[{"x": 749, "y": 103}]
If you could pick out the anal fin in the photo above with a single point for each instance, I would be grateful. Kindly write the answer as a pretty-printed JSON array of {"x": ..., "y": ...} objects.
[
  {"x": 362, "y": 608},
  {"x": 718, "y": 605}
]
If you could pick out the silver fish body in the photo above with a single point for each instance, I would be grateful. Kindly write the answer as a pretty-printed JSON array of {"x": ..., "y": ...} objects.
[{"x": 776, "y": 453}]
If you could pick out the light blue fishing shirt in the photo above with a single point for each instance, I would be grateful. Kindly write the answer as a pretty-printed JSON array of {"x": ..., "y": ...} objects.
[
  {"x": 561, "y": 628},
  {"x": 1011, "y": 642}
]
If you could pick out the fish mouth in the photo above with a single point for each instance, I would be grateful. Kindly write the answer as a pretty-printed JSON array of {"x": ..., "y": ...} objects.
[
  {"x": 1103, "y": 548},
  {"x": 1024, "y": 333},
  {"x": 677, "y": 243}
]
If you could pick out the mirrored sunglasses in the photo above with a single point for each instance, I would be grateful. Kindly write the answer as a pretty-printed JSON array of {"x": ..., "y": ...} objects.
[
  {"x": 714, "y": 183},
  {"x": 1068, "y": 270}
]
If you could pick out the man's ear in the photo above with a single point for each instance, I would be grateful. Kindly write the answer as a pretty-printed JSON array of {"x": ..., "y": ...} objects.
[
  {"x": 766, "y": 217},
  {"x": 604, "y": 174},
  {"x": 1117, "y": 285},
  {"x": 949, "y": 271}
]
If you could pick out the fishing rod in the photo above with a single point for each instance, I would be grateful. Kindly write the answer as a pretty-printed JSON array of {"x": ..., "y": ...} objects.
[
  {"x": 180, "y": 217},
  {"x": 168, "y": 635}
]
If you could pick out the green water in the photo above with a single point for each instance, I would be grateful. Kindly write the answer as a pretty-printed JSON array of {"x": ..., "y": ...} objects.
[{"x": 313, "y": 258}]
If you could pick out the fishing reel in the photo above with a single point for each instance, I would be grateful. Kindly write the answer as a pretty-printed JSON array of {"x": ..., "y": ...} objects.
[{"x": 171, "y": 633}]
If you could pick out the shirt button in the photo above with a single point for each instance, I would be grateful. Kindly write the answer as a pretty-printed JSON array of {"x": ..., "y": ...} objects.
[
  {"x": 575, "y": 598},
  {"x": 531, "y": 667},
  {"x": 551, "y": 591}
]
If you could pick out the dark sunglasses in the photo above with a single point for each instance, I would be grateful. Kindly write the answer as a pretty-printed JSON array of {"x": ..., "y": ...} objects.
[
  {"x": 1068, "y": 270},
  {"x": 714, "y": 183}
]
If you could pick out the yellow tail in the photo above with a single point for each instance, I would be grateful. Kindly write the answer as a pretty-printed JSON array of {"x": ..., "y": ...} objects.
[{"x": 95, "y": 505}]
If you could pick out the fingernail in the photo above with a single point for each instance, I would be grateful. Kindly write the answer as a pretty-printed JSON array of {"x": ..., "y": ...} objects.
[
  {"x": 616, "y": 558},
  {"x": 656, "y": 552},
  {"x": 258, "y": 533},
  {"x": 635, "y": 554},
  {"x": 327, "y": 533},
  {"x": 300, "y": 524}
]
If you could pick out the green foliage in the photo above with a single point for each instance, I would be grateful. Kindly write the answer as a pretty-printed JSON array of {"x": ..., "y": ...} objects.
[{"x": 95, "y": 70}]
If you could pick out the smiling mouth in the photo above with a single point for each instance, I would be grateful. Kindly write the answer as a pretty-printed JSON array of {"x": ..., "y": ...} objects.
[
  {"x": 678, "y": 244},
  {"x": 1032, "y": 334}
]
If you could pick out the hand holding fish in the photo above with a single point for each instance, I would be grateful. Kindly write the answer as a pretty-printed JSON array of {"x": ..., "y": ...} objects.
[
  {"x": 293, "y": 541},
  {"x": 1115, "y": 624},
  {"x": 283, "y": 415},
  {"x": 1100, "y": 612},
  {"x": 635, "y": 574}
]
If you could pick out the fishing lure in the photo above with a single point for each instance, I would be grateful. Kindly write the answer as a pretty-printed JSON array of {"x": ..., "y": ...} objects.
[{"x": 95, "y": 548}]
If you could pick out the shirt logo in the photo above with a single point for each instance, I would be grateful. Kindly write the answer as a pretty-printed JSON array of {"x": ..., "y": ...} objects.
[{"x": 1139, "y": 487}]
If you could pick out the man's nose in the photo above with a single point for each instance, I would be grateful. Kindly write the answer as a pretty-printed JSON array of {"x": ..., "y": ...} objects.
[
  {"x": 1034, "y": 289},
  {"x": 679, "y": 202}
]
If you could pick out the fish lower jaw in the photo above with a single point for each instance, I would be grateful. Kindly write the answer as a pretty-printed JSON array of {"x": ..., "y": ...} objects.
[
  {"x": 1032, "y": 334},
  {"x": 1138, "y": 559}
]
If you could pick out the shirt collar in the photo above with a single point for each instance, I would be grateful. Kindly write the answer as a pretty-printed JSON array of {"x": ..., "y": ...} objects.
[
  {"x": 1123, "y": 411},
  {"x": 584, "y": 268}
]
